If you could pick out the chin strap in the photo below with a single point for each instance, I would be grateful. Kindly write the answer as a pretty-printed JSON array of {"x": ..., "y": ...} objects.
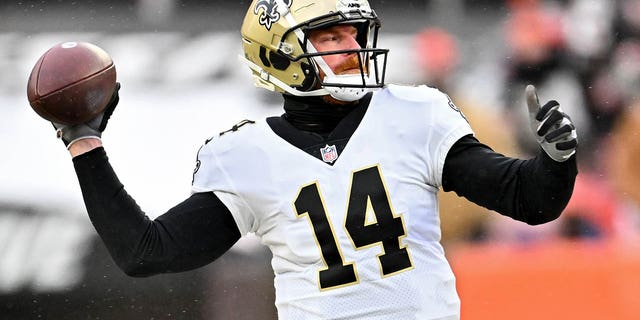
[{"x": 347, "y": 94}]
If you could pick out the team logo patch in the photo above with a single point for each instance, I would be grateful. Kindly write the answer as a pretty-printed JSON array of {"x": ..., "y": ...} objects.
[
  {"x": 329, "y": 153},
  {"x": 270, "y": 13}
]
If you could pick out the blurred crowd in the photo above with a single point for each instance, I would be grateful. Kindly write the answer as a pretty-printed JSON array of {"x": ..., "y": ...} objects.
[{"x": 584, "y": 54}]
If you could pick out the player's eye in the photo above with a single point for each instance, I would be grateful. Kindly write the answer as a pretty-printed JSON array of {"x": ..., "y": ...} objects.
[{"x": 328, "y": 38}]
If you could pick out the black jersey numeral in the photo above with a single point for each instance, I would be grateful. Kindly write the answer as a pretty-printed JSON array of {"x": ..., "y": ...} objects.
[
  {"x": 369, "y": 195},
  {"x": 337, "y": 273},
  {"x": 369, "y": 221}
]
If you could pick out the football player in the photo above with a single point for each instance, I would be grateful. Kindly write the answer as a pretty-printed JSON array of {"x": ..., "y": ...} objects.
[{"x": 342, "y": 186}]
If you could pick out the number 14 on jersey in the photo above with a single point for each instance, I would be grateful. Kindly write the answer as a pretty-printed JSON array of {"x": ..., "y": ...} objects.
[{"x": 367, "y": 195}]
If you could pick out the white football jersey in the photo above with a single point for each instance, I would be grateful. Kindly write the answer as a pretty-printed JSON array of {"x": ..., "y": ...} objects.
[{"x": 359, "y": 239}]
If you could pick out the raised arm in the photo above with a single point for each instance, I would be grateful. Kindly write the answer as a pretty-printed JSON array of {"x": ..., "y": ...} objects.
[
  {"x": 534, "y": 191},
  {"x": 190, "y": 235}
]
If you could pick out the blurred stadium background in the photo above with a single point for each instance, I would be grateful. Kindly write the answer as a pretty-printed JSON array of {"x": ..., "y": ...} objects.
[{"x": 182, "y": 82}]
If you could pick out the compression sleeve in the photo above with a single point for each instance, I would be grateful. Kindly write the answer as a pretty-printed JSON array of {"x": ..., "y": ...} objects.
[
  {"x": 190, "y": 235},
  {"x": 534, "y": 191}
]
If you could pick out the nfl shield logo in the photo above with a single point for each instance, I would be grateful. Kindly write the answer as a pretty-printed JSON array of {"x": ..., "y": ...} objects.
[{"x": 329, "y": 153}]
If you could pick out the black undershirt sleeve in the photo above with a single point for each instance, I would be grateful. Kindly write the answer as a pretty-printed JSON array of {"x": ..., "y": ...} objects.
[
  {"x": 190, "y": 235},
  {"x": 534, "y": 191}
]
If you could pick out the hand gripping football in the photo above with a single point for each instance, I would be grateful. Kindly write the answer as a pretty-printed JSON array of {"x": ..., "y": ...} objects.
[{"x": 71, "y": 83}]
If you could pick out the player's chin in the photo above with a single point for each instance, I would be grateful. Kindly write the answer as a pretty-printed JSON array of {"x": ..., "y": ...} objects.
[
  {"x": 333, "y": 101},
  {"x": 352, "y": 71},
  {"x": 329, "y": 99}
]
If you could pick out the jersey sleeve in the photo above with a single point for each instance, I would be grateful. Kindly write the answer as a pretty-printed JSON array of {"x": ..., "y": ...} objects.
[
  {"x": 209, "y": 176},
  {"x": 447, "y": 125},
  {"x": 437, "y": 122}
]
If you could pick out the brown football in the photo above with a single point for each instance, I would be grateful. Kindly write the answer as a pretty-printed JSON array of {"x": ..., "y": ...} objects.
[{"x": 71, "y": 83}]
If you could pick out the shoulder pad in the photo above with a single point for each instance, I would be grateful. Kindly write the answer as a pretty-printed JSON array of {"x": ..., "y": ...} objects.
[{"x": 420, "y": 93}]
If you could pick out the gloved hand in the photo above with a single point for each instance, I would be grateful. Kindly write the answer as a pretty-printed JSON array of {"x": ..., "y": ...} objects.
[
  {"x": 552, "y": 128},
  {"x": 90, "y": 129}
]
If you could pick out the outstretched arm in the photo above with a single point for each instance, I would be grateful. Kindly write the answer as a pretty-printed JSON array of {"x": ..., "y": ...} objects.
[{"x": 190, "y": 235}]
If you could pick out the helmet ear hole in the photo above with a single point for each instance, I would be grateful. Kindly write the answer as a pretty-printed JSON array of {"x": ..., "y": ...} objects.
[
  {"x": 275, "y": 59},
  {"x": 263, "y": 57},
  {"x": 279, "y": 61}
]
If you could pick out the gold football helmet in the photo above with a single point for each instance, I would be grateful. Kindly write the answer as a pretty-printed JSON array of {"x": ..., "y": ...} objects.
[{"x": 281, "y": 57}]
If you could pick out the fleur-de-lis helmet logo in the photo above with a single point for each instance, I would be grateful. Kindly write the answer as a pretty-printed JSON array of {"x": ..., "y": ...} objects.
[{"x": 270, "y": 14}]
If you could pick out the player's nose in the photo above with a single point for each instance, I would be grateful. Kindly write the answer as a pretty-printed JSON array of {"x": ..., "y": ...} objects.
[{"x": 350, "y": 43}]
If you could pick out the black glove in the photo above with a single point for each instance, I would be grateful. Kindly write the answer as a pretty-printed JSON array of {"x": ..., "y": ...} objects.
[
  {"x": 90, "y": 129},
  {"x": 552, "y": 128}
]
